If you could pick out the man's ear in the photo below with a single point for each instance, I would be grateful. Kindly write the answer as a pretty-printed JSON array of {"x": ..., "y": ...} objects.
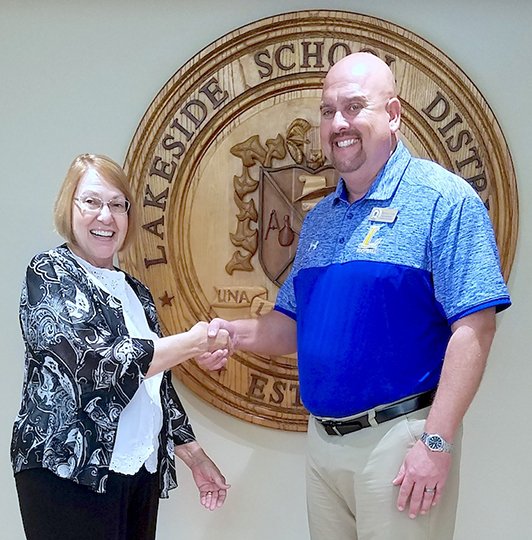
[{"x": 394, "y": 111}]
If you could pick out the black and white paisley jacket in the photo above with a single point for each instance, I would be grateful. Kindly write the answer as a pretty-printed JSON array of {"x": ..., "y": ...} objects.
[{"x": 81, "y": 370}]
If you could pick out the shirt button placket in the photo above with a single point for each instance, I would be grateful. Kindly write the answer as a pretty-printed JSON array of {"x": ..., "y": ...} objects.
[{"x": 342, "y": 236}]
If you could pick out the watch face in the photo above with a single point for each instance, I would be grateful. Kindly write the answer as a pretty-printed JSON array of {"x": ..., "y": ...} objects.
[{"x": 435, "y": 443}]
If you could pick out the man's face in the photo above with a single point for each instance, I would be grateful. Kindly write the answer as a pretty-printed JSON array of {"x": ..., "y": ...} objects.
[{"x": 356, "y": 125}]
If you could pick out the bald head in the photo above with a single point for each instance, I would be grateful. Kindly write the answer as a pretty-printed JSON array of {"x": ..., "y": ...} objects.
[
  {"x": 360, "y": 118},
  {"x": 365, "y": 69}
]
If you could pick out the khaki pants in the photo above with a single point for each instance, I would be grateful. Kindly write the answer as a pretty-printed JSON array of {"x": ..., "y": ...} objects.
[{"x": 350, "y": 495}]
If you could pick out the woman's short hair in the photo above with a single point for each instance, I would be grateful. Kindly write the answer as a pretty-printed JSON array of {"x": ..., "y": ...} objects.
[{"x": 110, "y": 172}]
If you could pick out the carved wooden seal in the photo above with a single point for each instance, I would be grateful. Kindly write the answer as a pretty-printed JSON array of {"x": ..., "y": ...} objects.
[{"x": 227, "y": 162}]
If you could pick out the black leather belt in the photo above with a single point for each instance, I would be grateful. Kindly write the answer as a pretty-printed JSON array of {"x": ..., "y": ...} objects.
[{"x": 408, "y": 405}]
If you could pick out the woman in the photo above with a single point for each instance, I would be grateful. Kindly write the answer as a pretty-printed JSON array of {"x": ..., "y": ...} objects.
[{"x": 100, "y": 421}]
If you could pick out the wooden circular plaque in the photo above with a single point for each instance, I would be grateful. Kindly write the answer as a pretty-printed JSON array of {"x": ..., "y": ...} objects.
[{"x": 226, "y": 162}]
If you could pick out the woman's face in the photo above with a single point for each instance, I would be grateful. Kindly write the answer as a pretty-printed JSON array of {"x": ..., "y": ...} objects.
[{"x": 99, "y": 232}]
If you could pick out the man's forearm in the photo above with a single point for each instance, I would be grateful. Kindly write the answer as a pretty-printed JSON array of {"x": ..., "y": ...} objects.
[
  {"x": 463, "y": 367},
  {"x": 272, "y": 334}
]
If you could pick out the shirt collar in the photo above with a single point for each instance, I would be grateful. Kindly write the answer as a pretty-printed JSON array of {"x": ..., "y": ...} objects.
[{"x": 387, "y": 180}]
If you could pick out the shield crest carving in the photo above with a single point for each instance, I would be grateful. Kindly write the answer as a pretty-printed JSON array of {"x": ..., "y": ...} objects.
[{"x": 286, "y": 194}]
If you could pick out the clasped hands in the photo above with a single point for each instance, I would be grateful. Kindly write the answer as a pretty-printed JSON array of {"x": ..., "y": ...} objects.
[{"x": 214, "y": 346}]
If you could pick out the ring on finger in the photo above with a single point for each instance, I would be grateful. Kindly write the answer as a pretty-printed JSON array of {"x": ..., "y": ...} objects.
[{"x": 430, "y": 490}]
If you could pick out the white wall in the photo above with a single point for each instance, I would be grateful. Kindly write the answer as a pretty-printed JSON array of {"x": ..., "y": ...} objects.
[{"x": 77, "y": 76}]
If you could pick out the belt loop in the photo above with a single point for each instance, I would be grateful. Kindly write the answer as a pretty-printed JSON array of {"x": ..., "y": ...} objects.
[
  {"x": 336, "y": 430},
  {"x": 371, "y": 418}
]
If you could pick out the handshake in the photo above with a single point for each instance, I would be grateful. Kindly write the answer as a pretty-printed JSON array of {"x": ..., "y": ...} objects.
[
  {"x": 214, "y": 343},
  {"x": 271, "y": 334}
]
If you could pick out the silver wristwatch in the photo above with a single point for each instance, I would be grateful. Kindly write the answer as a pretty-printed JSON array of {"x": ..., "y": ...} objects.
[{"x": 435, "y": 442}]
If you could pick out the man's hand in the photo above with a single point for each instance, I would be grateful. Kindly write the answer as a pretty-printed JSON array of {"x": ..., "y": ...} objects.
[
  {"x": 216, "y": 360},
  {"x": 422, "y": 478},
  {"x": 215, "y": 347},
  {"x": 273, "y": 334}
]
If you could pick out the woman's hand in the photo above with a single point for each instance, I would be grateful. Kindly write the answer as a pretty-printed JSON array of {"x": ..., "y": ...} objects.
[
  {"x": 211, "y": 483},
  {"x": 218, "y": 347},
  {"x": 173, "y": 350},
  {"x": 217, "y": 329}
]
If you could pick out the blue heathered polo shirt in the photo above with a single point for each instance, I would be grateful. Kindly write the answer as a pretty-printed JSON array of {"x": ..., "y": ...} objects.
[{"x": 376, "y": 284}]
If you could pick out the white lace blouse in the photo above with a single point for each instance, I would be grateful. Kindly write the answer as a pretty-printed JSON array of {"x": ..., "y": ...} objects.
[{"x": 141, "y": 420}]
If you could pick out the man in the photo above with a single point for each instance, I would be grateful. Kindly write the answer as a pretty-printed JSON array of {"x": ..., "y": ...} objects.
[{"x": 392, "y": 297}]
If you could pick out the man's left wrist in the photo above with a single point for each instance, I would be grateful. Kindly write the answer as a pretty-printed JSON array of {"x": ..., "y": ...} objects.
[{"x": 436, "y": 443}]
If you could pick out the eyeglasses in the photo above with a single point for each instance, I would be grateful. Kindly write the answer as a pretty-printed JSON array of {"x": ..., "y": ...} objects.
[{"x": 90, "y": 203}]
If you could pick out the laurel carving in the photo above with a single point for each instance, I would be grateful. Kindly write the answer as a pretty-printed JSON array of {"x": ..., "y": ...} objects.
[
  {"x": 244, "y": 184},
  {"x": 239, "y": 262},
  {"x": 245, "y": 237},
  {"x": 247, "y": 209},
  {"x": 276, "y": 149},
  {"x": 251, "y": 152}
]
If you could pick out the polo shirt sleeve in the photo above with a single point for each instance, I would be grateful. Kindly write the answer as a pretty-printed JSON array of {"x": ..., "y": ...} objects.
[
  {"x": 465, "y": 261},
  {"x": 286, "y": 299}
]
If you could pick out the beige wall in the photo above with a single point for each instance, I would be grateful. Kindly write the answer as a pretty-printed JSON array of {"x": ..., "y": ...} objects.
[{"x": 77, "y": 76}]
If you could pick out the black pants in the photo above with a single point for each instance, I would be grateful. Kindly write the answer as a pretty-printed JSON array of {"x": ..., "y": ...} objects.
[{"x": 53, "y": 508}]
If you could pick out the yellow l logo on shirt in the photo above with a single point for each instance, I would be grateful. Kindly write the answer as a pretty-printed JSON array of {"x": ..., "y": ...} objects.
[{"x": 366, "y": 243}]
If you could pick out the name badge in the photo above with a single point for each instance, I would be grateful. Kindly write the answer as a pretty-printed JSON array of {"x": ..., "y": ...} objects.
[{"x": 383, "y": 215}]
